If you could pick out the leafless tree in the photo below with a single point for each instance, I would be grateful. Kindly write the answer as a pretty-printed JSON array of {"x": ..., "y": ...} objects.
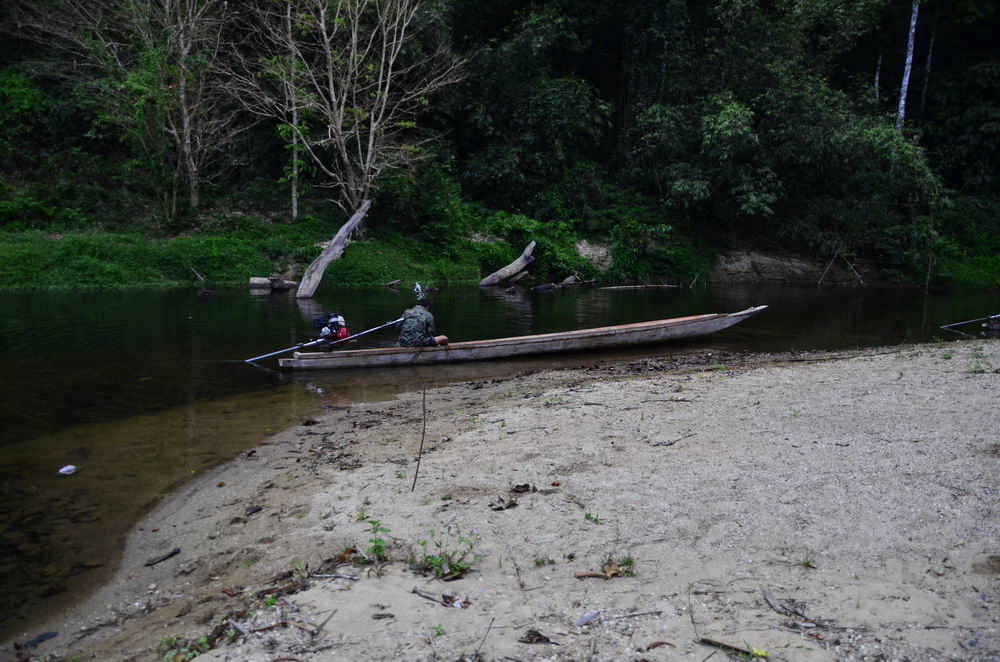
[
  {"x": 156, "y": 75},
  {"x": 348, "y": 78}
]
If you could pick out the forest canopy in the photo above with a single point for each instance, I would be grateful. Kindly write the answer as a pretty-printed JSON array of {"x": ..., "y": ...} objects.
[{"x": 666, "y": 129}]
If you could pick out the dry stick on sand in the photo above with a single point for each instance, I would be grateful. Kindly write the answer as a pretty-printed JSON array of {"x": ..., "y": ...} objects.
[
  {"x": 420, "y": 453},
  {"x": 486, "y": 635}
]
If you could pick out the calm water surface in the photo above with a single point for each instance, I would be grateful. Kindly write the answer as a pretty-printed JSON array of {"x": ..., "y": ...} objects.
[{"x": 145, "y": 389}]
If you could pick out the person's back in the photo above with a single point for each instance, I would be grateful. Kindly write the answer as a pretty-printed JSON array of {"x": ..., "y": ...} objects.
[{"x": 417, "y": 327}]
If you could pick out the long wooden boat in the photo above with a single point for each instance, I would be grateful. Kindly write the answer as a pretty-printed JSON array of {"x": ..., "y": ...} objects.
[{"x": 604, "y": 337}]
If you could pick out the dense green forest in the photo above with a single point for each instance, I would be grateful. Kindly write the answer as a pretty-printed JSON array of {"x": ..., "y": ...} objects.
[{"x": 148, "y": 142}]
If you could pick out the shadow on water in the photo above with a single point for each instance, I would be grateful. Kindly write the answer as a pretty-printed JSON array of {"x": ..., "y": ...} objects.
[{"x": 144, "y": 390}]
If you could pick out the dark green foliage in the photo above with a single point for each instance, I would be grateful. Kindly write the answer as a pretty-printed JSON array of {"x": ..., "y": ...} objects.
[
  {"x": 397, "y": 256},
  {"x": 23, "y": 108},
  {"x": 426, "y": 203},
  {"x": 664, "y": 129},
  {"x": 969, "y": 130},
  {"x": 968, "y": 250}
]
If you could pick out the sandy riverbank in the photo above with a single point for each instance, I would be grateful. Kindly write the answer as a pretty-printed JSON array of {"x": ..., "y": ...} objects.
[{"x": 858, "y": 492}]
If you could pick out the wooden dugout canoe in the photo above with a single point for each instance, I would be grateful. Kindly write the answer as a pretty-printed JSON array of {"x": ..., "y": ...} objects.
[{"x": 639, "y": 333}]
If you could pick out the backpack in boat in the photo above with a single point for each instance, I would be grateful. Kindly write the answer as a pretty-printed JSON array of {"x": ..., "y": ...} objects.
[{"x": 332, "y": 327}]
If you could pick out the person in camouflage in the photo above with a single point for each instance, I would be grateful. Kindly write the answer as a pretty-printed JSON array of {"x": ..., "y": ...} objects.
[{"x": 417, "y": 328}]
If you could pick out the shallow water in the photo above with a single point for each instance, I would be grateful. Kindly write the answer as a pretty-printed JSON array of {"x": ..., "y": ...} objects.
[{"x": 143, "y": 390}]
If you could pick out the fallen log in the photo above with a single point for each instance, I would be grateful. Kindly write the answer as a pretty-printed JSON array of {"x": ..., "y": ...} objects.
[
  {"x": 277, "y": 284},
  {"x": 512, "y": 269},
  {"x": 314, "y": 274}
]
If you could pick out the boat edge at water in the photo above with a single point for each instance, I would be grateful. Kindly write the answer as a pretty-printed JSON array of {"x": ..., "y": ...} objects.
[{"x": 638, "y": 333}]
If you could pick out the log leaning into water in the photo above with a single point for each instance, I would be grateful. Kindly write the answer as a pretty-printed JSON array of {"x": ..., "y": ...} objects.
[
  {"x": 512, "y": 269},
  {"x": 314, "y": 274}
]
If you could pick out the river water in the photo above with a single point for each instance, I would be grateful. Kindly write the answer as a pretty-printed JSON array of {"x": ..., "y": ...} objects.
[{"x": 143, "y": 390}]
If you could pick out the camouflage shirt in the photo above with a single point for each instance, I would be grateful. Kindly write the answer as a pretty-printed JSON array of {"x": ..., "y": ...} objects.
[{"x": 417, "y": 328}]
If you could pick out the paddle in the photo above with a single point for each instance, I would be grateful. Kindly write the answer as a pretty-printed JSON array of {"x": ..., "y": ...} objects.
[
  {"x": 321, "y": 340},
  {"x": 947, "y": 327}
]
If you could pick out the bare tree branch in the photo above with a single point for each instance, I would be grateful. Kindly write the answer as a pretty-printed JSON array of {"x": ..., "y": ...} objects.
[{"x": 355, "y": 71}]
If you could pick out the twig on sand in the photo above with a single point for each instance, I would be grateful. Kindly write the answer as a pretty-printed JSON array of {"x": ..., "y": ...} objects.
[
  {"x": 691, "y": 614},
  {"x": 325, "y": 621},
  {"x": 486, "y": 635},
  {"x": 775, "y": 605},
  {"x": 778, "y": 607},
  {"x": 160, "y": 559},
  {"x": 239, "y": 628},
  {"x": 420, "y": 453},
  {"x": 642, "y": 613},
  {"x": 426, "y": 596},
  {"x": 671, "y": 443}
]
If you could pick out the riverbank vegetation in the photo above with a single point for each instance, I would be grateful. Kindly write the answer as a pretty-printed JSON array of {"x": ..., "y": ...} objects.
[{"x": 159, "y": 144}]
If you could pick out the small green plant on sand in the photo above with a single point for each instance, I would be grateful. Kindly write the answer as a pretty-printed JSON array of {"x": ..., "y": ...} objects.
[
  {"x": 626, "y": 566},
  {"x": 591, "y": 517},
  {"x": 271, "y": 600},
  {"x": 438, "y": 630},
  {"x": 978, "y": 368},
  {"x": 808, "y": 561},
  {"x": 176, "y": 649},
  {"x": 540, "y": 562},
  {"x": 446, "y": 554},
  {"x": 795, "y": 413},
  {"x": 379, "y": 547}
]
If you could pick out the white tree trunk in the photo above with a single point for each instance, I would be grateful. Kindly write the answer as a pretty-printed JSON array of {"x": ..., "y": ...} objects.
[
  {"x": 901, "y": 114},
  {"x": 314, "y": 274},
  {"x": 187, "y": 147}
]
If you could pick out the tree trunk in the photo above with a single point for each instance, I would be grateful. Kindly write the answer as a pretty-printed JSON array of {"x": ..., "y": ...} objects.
[
  {"x": 187, "y": 147},
  {"x": 927, "y": 67},
  {"x": 512, "y": 269},
  {"x": 901, "y": 114},
  {"x": 314, "y": 274},
  {"x": 295, "y": 113},
  {"x": 878, "y": 72}
]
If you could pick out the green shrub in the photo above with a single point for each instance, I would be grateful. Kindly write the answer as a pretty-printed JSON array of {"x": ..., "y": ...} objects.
[
  {"x": 382, "y": 260},
  {"x": 555, "y": 252}
]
